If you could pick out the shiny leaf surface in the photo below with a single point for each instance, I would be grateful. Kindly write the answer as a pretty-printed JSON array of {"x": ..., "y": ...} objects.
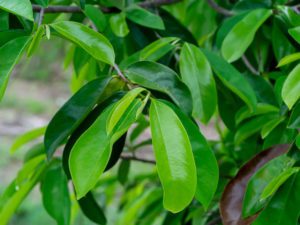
[{"x": 18, "y": 7}]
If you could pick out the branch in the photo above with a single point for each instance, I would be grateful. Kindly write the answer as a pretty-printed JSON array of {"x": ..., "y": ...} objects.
[
  {"x": 249, "y": 65},
  {"x": 135, "y": 158},
  {"x": 76, "y": 9},
  {"x": 41, "y": 17},
  {"x": 218, "y": 8}
]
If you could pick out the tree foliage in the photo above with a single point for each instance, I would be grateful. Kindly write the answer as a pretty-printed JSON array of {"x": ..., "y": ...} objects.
[{"x": 167, "y": 67}]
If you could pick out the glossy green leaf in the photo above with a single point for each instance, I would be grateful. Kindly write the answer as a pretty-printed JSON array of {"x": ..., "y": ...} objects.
[
  {"x": 197, "y": 75},
  {"x": 294, "y": 121},
  {"x": 158, "y": 77},
  {"x": 295, "y": 33},
  {"x": 206, "y": 163},
  {"x": 291, "y": 88},
  {"x": 259, "y": 182},
  {"x": 43, "y": 2},
  {"x": 19, "y": 7},
  {"x": 91, "y": 41},
  {"x": 242, "y": 34},
  {"x": 273, "y": 186},
  {"x": 35, "y": 41},
  {"x": 4, "y": 21},
  {"x": 55, "y": 195},
  {"x": 96, "y": 15},
  {"x": 232, "y": 79},
  {"x": 286, "y": 199},
  {"x": 118, "y": 25},
  {"x": 174, "y": 157},
  {"x": 91, "y": 209},
  {"x": 144, "y": 18},
  {"x": 10, "y": 54},
  {"x": 289, "y": 59},
  {"x": 27, "y": 137},
  {"x": 91, "y": 152},
  {"x": 72, "y": 113}
]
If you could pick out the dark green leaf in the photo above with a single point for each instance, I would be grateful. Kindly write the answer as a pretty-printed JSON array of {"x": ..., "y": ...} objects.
[
  {"x": 161, "y": 78},
  {"x": 56, "y": 198},
  {"x": 294, "y": 121},
  {"x": 123, "y": 171}
]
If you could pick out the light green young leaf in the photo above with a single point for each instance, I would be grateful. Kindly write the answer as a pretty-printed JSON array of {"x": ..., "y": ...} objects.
[
  {"x": 291, "y": 88},
  {"x": 242, "y": 34},
  {"x": 197, "y": 75},
  {"x": 289, "y": 59},
  {"x": 19, "y": 7},
  {"x": 10, "y": 53},
  {"x": 232, "y": 79},
  {"x": 91, "y": 41},
  {"x": 174, "y": 158},
  {"x": 118, "y": 24},
  {"x": 27, "y": 137},
  {"x": 144, "y": 18},
  {"x": 38, "y": 35},
  {"x": 273, "y": 186}
]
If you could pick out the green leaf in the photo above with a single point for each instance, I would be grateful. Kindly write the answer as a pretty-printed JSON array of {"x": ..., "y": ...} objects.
[
  {"x": 35, "y": 40},
  {"x": 273, "y": 186},
  {"x": 91, "y": 41},
  {"x": 197, "y": 75},
  {"x": 97, "y": 16},
  {"x": 55, "y": 195},
  {"x": 294, "y": 121},
  {"x": 289, "y": 59},
  {"x": 259, "y": 182},
  {"x": 251, "y": 127},
  {"x": 283, "y": 208},
  {"x": 144, "y": 18},
  {"x": 206, "y": 163},
  {"x": 242, "y": 34},
  {"x": 298, "y": 141},
  {"x": 271, "y": 125},
  {"x": 27, "y": 137},
  {"x": 232, "y": 79},
  {"x": 91, "y": 152},
  {"x": 123, "y": 171},
  {"x": 158, "y": 77},
  {"x": 72, "y": 113},
  {"x": 19, "y": 7},
  {"x": 91, "y": 209},
  {"x": 291, "y": 88},
  {"x": 174, "y": 158},
  {"x": 118, "y": 24},
  {"x": 17, "y": 197},
  {"x": 10, "y": 54},
  {"x": 4, "y": 21},
  {"x": 44, "y": 3},
  {"x": 295, "y": 33}
]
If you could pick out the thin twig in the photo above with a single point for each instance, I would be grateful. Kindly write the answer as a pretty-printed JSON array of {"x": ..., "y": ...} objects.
[
  {"x": 120, "y": 74},
  {"x": 249, "y": 65},
  {"x": 76, "y": 9},
  {"x": 219, "y": 9},
  {"x": 41, "y": 17},
  {"x": 135, "y": 158}
]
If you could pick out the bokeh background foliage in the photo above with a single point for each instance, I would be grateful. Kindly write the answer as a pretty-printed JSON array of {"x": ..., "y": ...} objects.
[{"x": 149, "y": 112}]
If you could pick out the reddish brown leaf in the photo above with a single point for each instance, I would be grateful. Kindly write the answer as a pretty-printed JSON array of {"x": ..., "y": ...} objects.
[{"x": 232, "y": 198}]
